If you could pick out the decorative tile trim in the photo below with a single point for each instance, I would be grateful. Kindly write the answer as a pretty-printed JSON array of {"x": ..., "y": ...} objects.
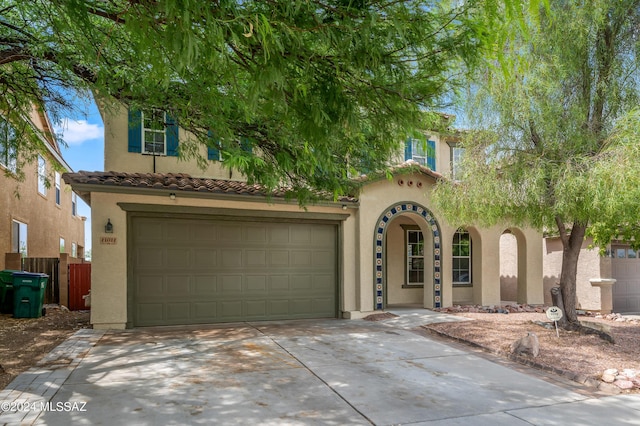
[{"x": 380, "y": 247}]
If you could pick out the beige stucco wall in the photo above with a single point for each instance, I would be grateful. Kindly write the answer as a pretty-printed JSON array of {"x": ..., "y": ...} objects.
[
  {"x": 117, "y": 157},
  {"x": 590, "y": 265},
  {"x": 46, "y": 221}
]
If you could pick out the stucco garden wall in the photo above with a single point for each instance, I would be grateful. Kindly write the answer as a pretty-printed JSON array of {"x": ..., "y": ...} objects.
[{"x": 590, "y": 265}]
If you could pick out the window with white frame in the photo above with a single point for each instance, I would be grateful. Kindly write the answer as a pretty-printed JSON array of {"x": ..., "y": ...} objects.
[
  {"x": 422, "y": 152},
  {"x": 58, "y": 195},
  {"x": 461, "y": 258},
  {"x": 74, "y": 250},
  {"x": 74, "y": 204},
  {"x": 61, "y": 245},
  {"x": 42, "y": 175},
  {"x": 153, "y": 130},
  {"x": 456, "y": 160},
  {"x": 19, "y": 237},
  {"x": 8, "y": 153},
  {"x": 414, "y": 257}
]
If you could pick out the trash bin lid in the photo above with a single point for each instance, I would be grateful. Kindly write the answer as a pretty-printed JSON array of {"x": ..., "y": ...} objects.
[{"x": 29, "y": 274}]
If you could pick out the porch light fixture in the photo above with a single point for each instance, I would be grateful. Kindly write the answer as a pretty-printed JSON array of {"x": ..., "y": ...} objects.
[
  {"x": 344, "y": 207},
  {"x": 172, "y": 196},
  {"x": 108, "y": 228}
]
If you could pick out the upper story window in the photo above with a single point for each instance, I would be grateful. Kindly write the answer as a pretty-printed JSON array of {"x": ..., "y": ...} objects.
[
  {"x": 8, "y": 153},
  {"x": 461, "y": 258},
  {"x": 58, "y": 195},
  {"x": 74, "y": 250},
  {"x": 42, "y": 175},
  {"x": 74, "y": 204},
  {"x": 456, "y": 161},
  {"x": 152, "y": 132},
  {"x": 61, "y": 245},
  {"x": 421, "y": 151}
]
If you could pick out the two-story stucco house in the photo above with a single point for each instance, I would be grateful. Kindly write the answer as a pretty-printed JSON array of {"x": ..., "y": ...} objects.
[
  {"x": 38, "y": 214},
  {"x": 174, "y": 244}
]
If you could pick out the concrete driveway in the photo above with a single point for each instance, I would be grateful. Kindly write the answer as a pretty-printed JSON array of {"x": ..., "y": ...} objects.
[{"x": 332, "y": 372}]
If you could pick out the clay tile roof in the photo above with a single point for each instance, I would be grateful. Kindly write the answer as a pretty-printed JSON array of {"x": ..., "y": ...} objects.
[{"x": 174, "y": 182}]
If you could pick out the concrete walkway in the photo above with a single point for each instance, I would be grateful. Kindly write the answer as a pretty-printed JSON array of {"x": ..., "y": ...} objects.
[{"x": 294, "y": 373}]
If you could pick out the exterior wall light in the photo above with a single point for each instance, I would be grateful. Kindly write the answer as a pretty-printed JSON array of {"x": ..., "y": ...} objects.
[
  {"x": 108, "y": 228},
  {"x": 172, "y": 196}
]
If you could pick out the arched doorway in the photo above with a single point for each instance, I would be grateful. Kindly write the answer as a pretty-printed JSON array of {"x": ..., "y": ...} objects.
[{"x": 430, "y": 227}]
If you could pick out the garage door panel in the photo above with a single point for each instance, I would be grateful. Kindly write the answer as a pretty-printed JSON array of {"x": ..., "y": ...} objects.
[
  {"x": 178, "y": 286},
  {"x": 204, "y": 310},
  {"x": 300, "y": 282},
  {"x": 205, "y": 258},
  {"x": 178, "y": 259},
  {"x": 256, "y": 284},
  {"x": 255, "y": 233},
  {"x": 151, "y": 313},
  {"x": 300, "y": 259},
  {"x": 148, "y": 285},
  {"x": 256, "y": 258},
  {"x": 149, "y": 258},
  {"x": 203, "y": 233},
  {"x": 255, "y": 308},
  {"x": 279, "y": 283},
  {"x": 231, "y": 284},
  {"x": 204, "y": 285},
  {"x": 231, "y": 308},
  {"x": 231, "y": 258},
  {"x": 278, "y": 258},
  {"x": 278, "y": 234},
  {"x": 202, "y": 272},
  {"x": 149, "y": 231},
  {"x": 323, "y": 259},
  {"x": 178, "y": 311},
  {"x": 230, "y": 232}
]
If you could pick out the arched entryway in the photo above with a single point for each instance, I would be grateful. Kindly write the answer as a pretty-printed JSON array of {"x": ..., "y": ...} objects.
[
  {"x": 428, "y": 224},
  {"x": 513, "y": 258}
]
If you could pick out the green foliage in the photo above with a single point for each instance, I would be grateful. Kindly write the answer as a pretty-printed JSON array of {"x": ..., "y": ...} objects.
[
  {"x": 321, "y": 89},
  {"x": 556, "y": 123}
]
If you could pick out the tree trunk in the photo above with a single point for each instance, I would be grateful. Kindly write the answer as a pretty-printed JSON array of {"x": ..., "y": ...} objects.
[{"x": 571, "y": 245}]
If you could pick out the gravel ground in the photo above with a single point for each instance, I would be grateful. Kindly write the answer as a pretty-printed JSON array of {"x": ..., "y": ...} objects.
[{"x": 576, "y": 355}]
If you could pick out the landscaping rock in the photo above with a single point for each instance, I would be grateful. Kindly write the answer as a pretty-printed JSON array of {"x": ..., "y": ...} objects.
[
  {"x": 624, "y": 384},
  {"x": 608, "y": 378},
  {"x": 527, "y": 345}
]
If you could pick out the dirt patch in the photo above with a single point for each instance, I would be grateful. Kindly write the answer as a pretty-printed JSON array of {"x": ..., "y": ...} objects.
[
  {"x": 580, "y": 357},
  {"x": 25, "y": 341},
  {"x": 379, "y": 317}
]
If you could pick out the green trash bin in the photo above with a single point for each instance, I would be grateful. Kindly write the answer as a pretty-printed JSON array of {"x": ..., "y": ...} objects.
[
  {"x": 28, "y": 294},
  {"x": 6, "y": 291}
]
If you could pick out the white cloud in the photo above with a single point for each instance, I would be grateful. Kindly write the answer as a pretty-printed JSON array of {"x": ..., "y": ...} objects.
[{"x": 77, "y": 132}]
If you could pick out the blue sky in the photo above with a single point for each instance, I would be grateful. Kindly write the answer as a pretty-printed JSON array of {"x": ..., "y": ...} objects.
[{"x": 83, "y": 133}]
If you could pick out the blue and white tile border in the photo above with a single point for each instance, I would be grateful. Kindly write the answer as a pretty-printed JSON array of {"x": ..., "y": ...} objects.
[{"x": 379, "y": 248}]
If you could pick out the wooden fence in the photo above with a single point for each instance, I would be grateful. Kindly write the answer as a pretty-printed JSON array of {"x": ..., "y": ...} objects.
[{"x": 49, "y": 266}]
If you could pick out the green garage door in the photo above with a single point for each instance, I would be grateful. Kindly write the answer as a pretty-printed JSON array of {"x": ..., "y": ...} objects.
[{"x": 189, "y": 271}]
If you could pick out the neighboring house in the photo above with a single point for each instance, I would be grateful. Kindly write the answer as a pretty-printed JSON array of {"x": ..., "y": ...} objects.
[
  {"x": 173, "y": 244},
  {"x": 38, "y": 215}
]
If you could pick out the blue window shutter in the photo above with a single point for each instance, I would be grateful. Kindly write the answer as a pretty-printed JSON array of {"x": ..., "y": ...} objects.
[
  {"x": 171, "y": 133},
  {"x": 135, "y": 130},
  {"x": 246, "y": 145},
  {"x": 213, "y": 153},
  {"x": 431, "y": 155},
  {"x": 408, "y": 150}
]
